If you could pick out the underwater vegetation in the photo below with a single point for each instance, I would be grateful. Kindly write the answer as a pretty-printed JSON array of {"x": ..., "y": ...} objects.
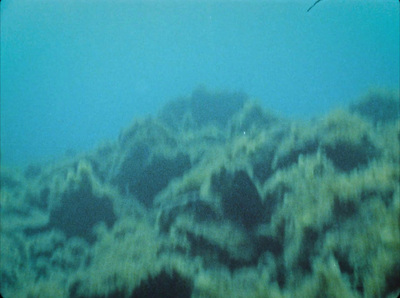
[{"x": 214, "y": 197}]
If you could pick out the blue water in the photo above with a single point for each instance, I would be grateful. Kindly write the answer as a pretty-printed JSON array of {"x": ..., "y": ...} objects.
[{"x": 73, "y": 73}]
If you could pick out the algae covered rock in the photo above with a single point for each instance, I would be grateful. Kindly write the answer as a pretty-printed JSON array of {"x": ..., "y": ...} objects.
[{"x": 214, "y": 197}]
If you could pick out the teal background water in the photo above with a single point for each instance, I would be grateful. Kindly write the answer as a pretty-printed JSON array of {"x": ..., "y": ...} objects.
[{"x": 73, "y": 73}]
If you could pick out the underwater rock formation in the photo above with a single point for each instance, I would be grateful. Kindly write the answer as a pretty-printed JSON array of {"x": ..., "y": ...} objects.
[{"x": 214, "y": 197}]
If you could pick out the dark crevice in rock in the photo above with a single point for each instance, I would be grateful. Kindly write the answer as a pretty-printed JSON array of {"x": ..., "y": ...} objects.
[
  {"x": 270, "y": 244},
  {"x": 240, "y": 200},
  {"x": 144, "y": 175},
  {"x": 343, "y": 210},
  {"x": 164, "y": 285},
  {"x": 392, "y": 280},
  {"x": 348, "y": 269},
  {"x": 308, "y": 249},
  {"x": 157, "y": 175},
  {"x": 79, "y": 212},
  {"x": 344, "y": 264},
  {"x": 281, "y": 276},
  {"x": 347, "y": 156}
]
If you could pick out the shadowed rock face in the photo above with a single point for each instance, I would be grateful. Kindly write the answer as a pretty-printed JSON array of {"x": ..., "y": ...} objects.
[
  {"x": 348, "y": 156},
  {"x": 144, "y": 175},
  {"x": 79, "y": 212},
  {"x": 240, "y": 200},
  {"x": 79, "y": 207},
  {"x": 164, "y": 285}
]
